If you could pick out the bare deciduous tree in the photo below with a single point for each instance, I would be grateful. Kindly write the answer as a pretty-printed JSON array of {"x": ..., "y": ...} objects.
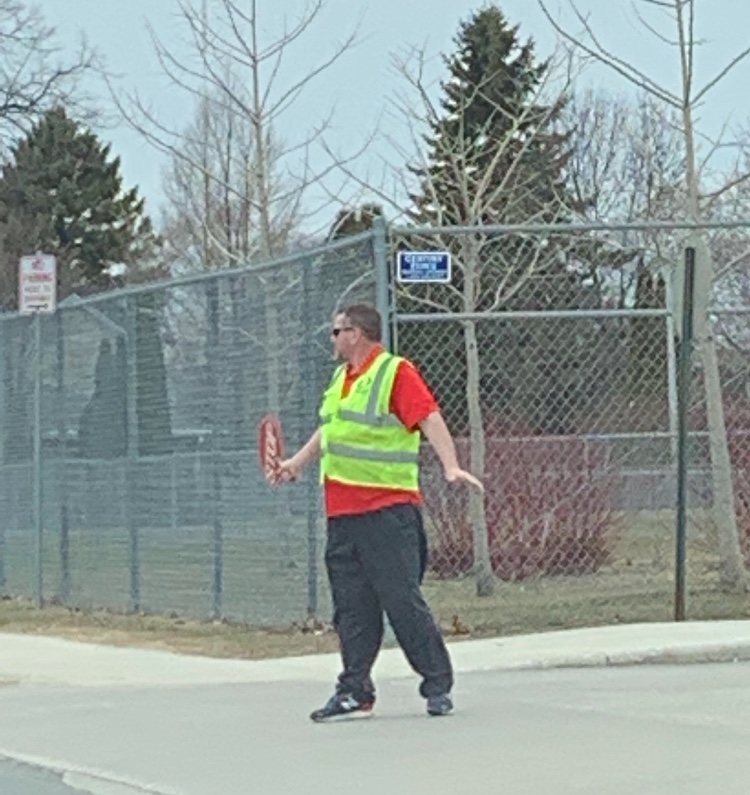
[
  {"x": 627, "y": 165},
  {"x": 679, "y": 34},
  {"x": 241, "y": 176},
  {"x": 627, "y": 156},
  {"x": 241, "y": 83},
  {"x": 35, "y": 75},
  {"x": 211, "y": 216},
  {"x": 484, "y": 178}
]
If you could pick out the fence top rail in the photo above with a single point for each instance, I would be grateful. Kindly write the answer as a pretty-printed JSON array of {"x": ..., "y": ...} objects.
[
  {"x": 551, "y": 314},
  {"x": 531, "y": 314},
  {"x": 632, "y": 226}
]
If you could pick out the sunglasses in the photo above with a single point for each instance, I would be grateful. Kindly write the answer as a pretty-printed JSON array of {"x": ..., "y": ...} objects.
[{"x": 336, "y": 331}]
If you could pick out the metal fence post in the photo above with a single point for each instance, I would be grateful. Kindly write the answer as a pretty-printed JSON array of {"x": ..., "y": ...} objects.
[
  {"x": 217, "y": 539},
  {"x": 385, "y": 307},
  {"x": 683, "y": 396},
  {"x": 382, "y": 277},
  {"x": 174, "y": 510},
  {"x": 37, "y": 480},
  {"x": 131, "y": 343},
  {"x": 309, "y": 381},
  {"x": 61, "y": 470},
  {"x": 4, "y": 491}
]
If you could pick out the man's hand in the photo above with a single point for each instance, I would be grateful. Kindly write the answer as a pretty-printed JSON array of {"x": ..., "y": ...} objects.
[
  {"x": 291, "y": 469},
  {"x": 458, "y": 475}
]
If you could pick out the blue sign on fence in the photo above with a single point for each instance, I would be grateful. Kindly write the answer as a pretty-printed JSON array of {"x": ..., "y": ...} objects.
[{"x": 423, "y": 266}]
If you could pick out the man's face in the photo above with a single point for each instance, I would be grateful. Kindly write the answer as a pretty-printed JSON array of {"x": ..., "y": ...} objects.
[{"x": 344, "y": 337}]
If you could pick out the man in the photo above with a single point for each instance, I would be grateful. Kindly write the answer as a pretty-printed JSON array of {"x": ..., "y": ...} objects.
[{"x": 372, "y": 417}]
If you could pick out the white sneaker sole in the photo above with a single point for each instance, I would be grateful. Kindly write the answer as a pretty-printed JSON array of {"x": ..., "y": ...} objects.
[{"x": 356, "y": 715}]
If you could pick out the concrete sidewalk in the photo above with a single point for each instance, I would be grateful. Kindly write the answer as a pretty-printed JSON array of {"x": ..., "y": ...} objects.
[{"x": 26, "y": 659}]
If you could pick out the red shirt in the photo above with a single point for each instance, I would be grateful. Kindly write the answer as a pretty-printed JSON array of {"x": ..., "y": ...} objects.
[{"x": 412, "y": 402}]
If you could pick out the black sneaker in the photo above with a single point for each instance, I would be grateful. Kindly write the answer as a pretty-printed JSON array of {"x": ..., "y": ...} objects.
[
  {"x": 343, "y": 706},
  {"x": 439, "y": 705}
]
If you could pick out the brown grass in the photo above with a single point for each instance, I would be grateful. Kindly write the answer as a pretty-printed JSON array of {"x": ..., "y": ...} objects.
[
  {"x": 208, "y": 638},
  {"x": 637, "y": 586}
]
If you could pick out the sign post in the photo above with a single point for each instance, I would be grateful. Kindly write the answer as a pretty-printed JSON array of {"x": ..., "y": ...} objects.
[
  {"x": 37, "y": 295},
  {"x": 687, "y": 320},
  {"x": 703, "y": 273}
]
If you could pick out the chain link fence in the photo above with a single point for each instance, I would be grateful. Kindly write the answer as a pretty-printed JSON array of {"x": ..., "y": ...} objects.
[
  {"x": 130, "y": 476},
  {"x": 130, "y": 479},
  {"x": 553, "y": 354}
]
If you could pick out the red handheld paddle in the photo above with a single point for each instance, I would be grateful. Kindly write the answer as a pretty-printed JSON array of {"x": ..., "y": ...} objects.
[{"x": 270, "y": 447}]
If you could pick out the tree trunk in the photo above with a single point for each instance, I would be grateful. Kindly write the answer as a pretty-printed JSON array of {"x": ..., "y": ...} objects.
[
  {"x": 283, "y": 511},
  {"x": 482, "y": 563},
  {"x": 273, "y": 342},
  {"x": 731, "y": 564}
]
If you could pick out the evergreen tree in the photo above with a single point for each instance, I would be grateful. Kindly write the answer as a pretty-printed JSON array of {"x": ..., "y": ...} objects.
[
  {"x": 103, "y": 425},
  {"x": 495, "y": 155},
  {"x": 152, "y": 397},
  {"x": 492, "y": 139},
  {"x": 62, "y": 193}
]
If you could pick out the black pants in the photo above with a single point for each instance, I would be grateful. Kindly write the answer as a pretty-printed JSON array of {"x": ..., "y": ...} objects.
[{"x": 375, "y": 563}]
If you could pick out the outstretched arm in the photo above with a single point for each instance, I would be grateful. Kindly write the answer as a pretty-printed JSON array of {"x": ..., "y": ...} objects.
[{"x": 438, "y": 435}]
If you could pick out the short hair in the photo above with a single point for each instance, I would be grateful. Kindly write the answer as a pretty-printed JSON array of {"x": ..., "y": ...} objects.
[{"x": 366, "y": 318}]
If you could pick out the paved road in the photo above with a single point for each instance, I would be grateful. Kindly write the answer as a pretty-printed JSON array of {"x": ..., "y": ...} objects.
[
  {"x": 659, "y": 730},
  {"x": 18, "y": 779}
]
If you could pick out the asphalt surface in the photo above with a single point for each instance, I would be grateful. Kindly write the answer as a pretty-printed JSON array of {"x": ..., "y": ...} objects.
[
  {"x": 16, "y": 779},
  {"x": 657, "y": 729}
]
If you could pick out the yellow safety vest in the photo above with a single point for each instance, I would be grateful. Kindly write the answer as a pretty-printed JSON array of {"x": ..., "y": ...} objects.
[{"x": 362, "y": 443}]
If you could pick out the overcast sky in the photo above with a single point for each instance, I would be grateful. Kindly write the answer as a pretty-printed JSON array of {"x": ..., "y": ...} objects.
[{"x": 361, "y": 83}]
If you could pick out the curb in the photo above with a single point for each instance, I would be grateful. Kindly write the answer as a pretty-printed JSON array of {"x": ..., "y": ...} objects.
[
  {"x": 684, "y": 656},
  {"x": 675, "y": 656},
  {"x": 60, "y": 662},
  {"x": 88, "y": 780}
]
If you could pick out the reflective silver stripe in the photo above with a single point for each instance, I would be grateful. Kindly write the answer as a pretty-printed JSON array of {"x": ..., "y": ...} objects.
[
  {"x": 326, "y": 418},
  {"x": 370, "y": 417},
  {"x": 377, "y": 385},
  {"x": 386, "y": 421},
  {"x": 372, "y": 455}
]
